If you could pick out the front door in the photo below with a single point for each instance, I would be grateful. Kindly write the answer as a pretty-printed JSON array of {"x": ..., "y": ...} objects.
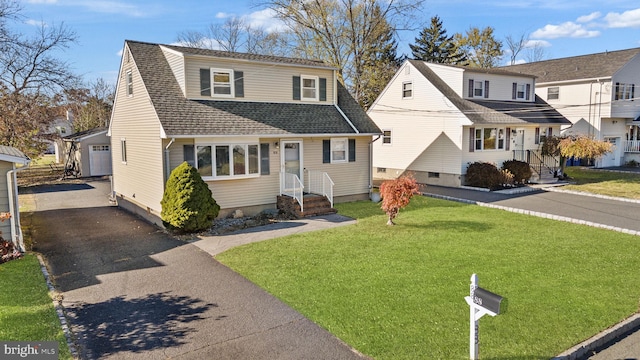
[
  {"x": 292, "y": 158},
  {"x": 611, "y": 158}
]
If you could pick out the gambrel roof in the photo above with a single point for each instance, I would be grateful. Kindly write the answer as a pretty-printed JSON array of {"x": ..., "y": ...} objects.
[
  {"x": 591, "y": 66},
  {"x": 491, "y": 111},
  {"x": 181, "y": 116}
]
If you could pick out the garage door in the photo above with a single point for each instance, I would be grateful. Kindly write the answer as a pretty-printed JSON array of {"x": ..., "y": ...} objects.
[{"x": 99, "y": 160}]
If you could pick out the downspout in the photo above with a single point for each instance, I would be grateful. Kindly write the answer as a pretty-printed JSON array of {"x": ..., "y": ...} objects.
[
  {"x": 599, "y": 112},
  {"x": 16, "y": 230},
  {"x": 590, "y": 96},
  {"x": 371, "y": 165},
  {"x": 167, "y": 162}
]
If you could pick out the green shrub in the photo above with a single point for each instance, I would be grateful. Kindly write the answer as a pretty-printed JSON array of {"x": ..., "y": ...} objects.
[
  {"x": 521, "y": 170},
  {"x": 187, "y": 203},
  {"x": 487, "y": 175}
]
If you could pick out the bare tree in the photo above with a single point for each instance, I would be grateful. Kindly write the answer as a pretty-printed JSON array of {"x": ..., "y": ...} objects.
[
  {"x": 516, "y": 44},
  {"x": 535, "y": 52},
  {"x": 90, "y": 105}
]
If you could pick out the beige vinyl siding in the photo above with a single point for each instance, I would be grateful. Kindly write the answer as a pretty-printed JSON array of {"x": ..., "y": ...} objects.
[
  {"x": 141, "y": 179},
  {"x": 414, "y": 123},
  {"x": 262, "y": 82},
  {"x": 176, "y": 63},
  {"x": 5, "y": 226},
  {"x": 350, "y": 178},
  {"x": 500, "y": 86}
]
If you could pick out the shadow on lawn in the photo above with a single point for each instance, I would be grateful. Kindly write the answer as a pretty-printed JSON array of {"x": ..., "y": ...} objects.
[
  {"x": 117, "y": 325},
  {"x": 458, "y": 225}
]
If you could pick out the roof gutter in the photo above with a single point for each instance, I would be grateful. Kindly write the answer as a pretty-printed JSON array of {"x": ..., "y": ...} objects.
[{"x": 167, "y": 162}]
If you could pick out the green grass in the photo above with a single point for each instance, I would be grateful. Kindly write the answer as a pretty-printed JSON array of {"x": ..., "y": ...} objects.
[
  {"x": 609, "y": 183},
  {"x": 26, "y": 310},
  {"x": 398, "y": 292}
]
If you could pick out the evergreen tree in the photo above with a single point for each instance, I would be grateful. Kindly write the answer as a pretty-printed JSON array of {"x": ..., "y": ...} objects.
[{"x": 433, "y": 45}]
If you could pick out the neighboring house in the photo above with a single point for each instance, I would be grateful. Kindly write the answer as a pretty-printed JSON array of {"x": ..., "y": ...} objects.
[
  {"x": 10, "y": 228},
  {"x": 60, "y": 128},
  {"x": 599, "y": 94},
  {"x": 437, "y": 119},
  {"x": 254, "y": 126},
  {"x": 88, "y": 153}
]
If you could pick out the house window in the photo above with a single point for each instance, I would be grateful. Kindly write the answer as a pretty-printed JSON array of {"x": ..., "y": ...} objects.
[
  {"x": 339, "y": 148},
  {"x": 123, "y": 150},
  {"x": 381, "y": 170},
  {"x": 386, "y": 137},
  {"x": 625, "y": 91},
  {"x": 489, "y": 138},
  {"x": 542, "y": 134},
  {"x": 407, "y": 90},
  {"x": 553, "y": 93},
  {"x": 309, "y": 87},
  {"x": 433, "y": 175},
  {"x": 478, "y": 88},
  {"x": 129, "y": 83},
  {"x": 61, "y": 130},
  {"x": 222, "y": 82},
  {"x": 520, "y": 92},
  {"x": 228, "y": 160}
]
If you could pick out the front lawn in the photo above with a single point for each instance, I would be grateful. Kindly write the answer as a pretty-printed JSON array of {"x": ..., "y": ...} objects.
[
  {"x": 398, "y": 292},
  {"x": 610, "y": 183},
  {"x": 26, "y": 310}
]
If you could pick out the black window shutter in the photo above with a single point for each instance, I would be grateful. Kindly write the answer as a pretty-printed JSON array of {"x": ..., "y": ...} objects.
[
  {"x": 507, "y": 139},
  {"x": 633, "y": 91},
  {"x": 205, "y": 82},
  {"x": 296, "y": 88},
  {"x": 326, "y": 151},
  {"x": 352, "y": 150},
  {"x": 486, "y": 89},
  {"x": 470, "y": 88},
  {"x": 550, "y": 132},
  {"x": 514, "y": 91},
  {"x": 528, "y": 95},
  {"x": 264, "y": 159},
  {"x": 537, "y": 139},
  {"x": 189, "y": 154},
  {"x": 472, "y": 139},
  {"x": 617, "y": 96},
  {"x": 323, "y": 89},
  {"x": 238, "y": 83}
]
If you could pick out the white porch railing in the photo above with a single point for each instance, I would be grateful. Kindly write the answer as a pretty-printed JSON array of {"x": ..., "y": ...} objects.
[
  {"x": 291, "y": 185},
  {"x": 631, "y": 145},
  {"x": 320, "y": 183}
]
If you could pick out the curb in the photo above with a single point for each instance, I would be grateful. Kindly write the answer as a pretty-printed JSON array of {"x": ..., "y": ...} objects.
[
  {"x": 597, "y": 341},
  {"x": 59, "y": 310}
]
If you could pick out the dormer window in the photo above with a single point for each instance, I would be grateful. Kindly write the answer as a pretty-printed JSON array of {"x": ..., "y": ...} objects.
[
  {"x": 224, "y": 83},
  {"x": 309, "y": 88},
  {"x": 478, "y": 89},
  {"x": 521, "y": 91}
]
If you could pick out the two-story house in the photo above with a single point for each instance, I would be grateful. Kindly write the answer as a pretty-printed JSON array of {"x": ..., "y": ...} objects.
[
  {"x": 437, "y": 119},
  {"x": 256, "y": 127},
  {"x": 598, "y": 94}
]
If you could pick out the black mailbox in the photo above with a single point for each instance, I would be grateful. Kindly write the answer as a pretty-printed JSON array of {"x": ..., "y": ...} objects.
[{"x": 488, "y": 300}]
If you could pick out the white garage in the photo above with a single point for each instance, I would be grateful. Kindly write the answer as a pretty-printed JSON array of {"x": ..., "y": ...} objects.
[{"x": 87, "y": 153}]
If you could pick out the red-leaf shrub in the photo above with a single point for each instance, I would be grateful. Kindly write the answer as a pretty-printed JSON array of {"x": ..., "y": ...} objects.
[
  {"x": 396, "y": 194},
  {"x": 8, "y": 251}
]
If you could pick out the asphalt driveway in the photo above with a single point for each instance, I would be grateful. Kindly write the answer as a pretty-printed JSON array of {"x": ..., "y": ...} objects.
[{"x": 130, "y": 291}]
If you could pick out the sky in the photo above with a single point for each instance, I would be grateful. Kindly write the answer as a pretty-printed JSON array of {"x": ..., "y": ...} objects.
[{"x": 562, "y": 28}]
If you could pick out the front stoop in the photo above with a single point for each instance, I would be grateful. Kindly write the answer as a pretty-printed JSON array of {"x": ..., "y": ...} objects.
[{"x": 313, "y": 205}]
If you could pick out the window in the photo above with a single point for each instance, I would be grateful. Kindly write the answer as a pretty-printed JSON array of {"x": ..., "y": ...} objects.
[
  {"x": 123, "y": 150},
  {"x": 381, "y": 170},
  {"x": 489, "y": 138},
  {"x": 339, "y": 148},
  {"x": 433, "y": 175},
  {"x": 129, "y": 83},
  {"x": 407, "y": 90},
  {"x": 222, "y": 84},
  {"x": 520, "y": 92},
  {"x": 553, "y": 93},
  {"x": 542, "y": 134},
  {"x": 228, "y": 160},
  {"x": 478, "y": 87},
  {"x": 625, "y": 91},
  {"x": 309, "y": 87},
  {"x": 61, "y": 130},
  {"x": 386, "y": 137}
]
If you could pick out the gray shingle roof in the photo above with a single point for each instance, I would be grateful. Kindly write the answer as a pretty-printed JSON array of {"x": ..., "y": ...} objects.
[
  {"x": 9, "y": 153},
  {"x": 180, "y": 116},
  {"x": 81, "y": 134},
  {"x": 578, "y": 67},
  {"x": 494, "y": 112}
]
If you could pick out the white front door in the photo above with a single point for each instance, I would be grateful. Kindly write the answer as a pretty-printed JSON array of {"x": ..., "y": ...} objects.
[
  {"x": 611, "y": 158},
  {"x": 292, "y": 157},
  {"x": 99, "y": 160}
]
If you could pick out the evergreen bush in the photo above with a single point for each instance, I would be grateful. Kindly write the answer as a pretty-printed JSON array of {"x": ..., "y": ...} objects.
[
  {"x": 187, "y": 203},
  {"x": 487, "y": 175},
  {"x": 521, "y": 170}
]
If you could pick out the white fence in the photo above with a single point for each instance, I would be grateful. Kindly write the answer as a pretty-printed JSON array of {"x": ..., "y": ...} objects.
[
  {"x": 320, "y": 183},
  {"x": 291, "y": 185}
]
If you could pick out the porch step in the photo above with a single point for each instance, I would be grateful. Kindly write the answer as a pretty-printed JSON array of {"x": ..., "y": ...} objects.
[
  {"x": 544, "y": 178},
  {"x": 313, "y": 205}
]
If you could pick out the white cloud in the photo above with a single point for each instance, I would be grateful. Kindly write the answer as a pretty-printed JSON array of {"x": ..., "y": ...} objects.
[
  {"x": 627, "y": 19},
  {"x": 222, "y": 15},
  {"x": 102, "y": 6},
  {"x": 120, "y": 52},
  {"x": 590, "y": 17},
  {"x": 265, "y": 19},
  {"x": 537, "y": 43},
  {"x": 33, "y": 22},
  {"x": 567, "y": 29}
]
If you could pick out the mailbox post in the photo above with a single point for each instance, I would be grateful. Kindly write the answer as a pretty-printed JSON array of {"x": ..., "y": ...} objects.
[{"x": 481, "y": 302}]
